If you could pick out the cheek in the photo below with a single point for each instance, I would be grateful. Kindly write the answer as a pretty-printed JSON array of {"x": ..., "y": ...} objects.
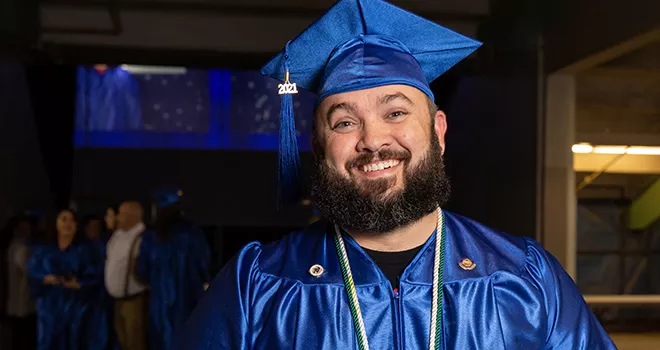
[
  {"x": 415, "y": 141},
  {"x": 338, "y": 151}
]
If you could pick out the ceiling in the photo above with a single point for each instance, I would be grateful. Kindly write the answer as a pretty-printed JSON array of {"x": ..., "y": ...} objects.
[
  {"x": 212, "y": 27},
  {"x": 621, "y": 96},
  {"x": 618, "y": 103}
]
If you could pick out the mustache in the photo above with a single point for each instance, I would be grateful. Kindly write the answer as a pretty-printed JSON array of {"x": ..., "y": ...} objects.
[{"x": 386, "y": 154}]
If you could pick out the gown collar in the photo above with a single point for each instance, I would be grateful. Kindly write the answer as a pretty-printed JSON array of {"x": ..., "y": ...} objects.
[{"x": 366, "y": 272}]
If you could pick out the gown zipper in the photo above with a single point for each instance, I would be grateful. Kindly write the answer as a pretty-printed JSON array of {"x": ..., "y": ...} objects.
[{"x": 398, "y": 307}]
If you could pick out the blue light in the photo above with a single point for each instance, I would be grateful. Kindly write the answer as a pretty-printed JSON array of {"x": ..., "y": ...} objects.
[{"x": 201, "y": 109}]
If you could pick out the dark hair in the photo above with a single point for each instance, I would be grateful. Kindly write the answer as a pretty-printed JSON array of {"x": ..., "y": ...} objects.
[
  {"x": 114, "y": 207},
  {"x": 51, "y": 229},
  {"x": 89, "y": 218},
  {"x": 167, "y": 217}
]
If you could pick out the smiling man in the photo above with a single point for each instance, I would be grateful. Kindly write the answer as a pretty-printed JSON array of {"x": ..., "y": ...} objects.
[{"x": 387, "y": 268}]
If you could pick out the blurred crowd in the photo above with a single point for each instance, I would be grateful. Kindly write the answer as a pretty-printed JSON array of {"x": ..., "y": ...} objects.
[{"x": 102, "y": 282}]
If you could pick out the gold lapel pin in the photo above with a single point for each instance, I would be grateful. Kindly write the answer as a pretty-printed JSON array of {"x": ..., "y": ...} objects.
[
  {"x": 316, "y": 270},
  {"x": 467, "y": 264}
]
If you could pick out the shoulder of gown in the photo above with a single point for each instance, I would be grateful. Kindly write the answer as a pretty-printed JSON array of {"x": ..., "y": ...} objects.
[
  {"x": 526, "y": 277},
  {"x": 490, "y": 250}
]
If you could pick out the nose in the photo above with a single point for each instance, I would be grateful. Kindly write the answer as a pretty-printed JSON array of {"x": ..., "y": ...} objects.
[{"x": 375, "y": 136}]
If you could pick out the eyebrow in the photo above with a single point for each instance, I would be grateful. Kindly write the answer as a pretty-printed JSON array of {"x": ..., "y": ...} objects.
[
  {"x": 352, "y": 108},
  {"x": 385, "y": 99},
  {"x": 349, "y": 107}
]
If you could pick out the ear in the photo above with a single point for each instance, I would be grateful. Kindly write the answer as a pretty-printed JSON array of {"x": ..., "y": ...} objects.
[{"x": 440, "y": 128}]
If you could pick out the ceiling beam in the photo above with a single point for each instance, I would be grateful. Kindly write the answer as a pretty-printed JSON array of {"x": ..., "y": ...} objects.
[
  {"x": 436, "y": 10},
  {"x": 613, "y": 52},
  {"x": 625, "y": 73},
  {"x": 161, "y": 30},
  {"x": 645, "y": 210},
  {"x": 616, "y": 164},
  {"x": 619, "y": 139}
]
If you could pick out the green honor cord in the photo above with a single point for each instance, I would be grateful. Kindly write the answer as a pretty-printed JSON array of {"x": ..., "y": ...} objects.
[{"x": 436, "y": 303}]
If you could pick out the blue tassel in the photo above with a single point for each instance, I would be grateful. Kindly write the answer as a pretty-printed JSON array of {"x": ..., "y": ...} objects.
[{"x": 289, "y": 186}]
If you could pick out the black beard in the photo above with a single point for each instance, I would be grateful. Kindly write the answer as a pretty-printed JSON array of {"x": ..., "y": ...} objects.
[{"x": 366, "y": 208}]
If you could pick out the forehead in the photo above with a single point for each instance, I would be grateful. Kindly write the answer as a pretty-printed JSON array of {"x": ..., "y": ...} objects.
[
  {"x": 373, "y": 96},
  {"x": 65, "y": 215}
]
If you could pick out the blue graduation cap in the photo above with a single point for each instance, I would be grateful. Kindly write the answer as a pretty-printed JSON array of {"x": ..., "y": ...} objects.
[
  {"x": 167, "y": 196},
  {"x": 356, "y": 45}
]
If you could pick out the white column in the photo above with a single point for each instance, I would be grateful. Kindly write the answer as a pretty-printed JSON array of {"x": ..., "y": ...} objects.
[{"x": 559, "y": 201}]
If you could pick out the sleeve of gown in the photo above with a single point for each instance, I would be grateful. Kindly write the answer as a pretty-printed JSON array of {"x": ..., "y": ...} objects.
[
  {"x": 81, "y": 99},
  {"x": 131, "y": 96},
  {"x": 201, "y": 254},
  {"x": 220, "y": 320},
  {"x": 571, "y": 324},
  {"x": 142, "y": 263},
  {"x": 91, "y": 274},
  {"x": 37, "y": 270}
]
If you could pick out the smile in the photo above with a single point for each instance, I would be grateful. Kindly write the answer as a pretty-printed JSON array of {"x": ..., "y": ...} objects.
[{"x": 381, "y": 165}]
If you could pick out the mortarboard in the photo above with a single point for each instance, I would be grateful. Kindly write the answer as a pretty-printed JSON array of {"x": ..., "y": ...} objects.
[
  {"x": 356, "y": 45},
  {"x": 167, "y": 196}
]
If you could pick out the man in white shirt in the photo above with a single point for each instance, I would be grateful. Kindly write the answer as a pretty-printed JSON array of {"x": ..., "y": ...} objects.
[{"x": 121, "y": 280}]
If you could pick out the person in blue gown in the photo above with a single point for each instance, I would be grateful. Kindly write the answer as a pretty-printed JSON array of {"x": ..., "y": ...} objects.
[
  {"x": 63, "y": 276},
  {"x": 387, "y": 267},
  {"x": 108, "y": 99},
  {"x": 174, "y": 260},
  {"x": 97, "y": 318}
]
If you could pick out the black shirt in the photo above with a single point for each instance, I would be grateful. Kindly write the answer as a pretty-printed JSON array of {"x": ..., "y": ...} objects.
[{"x": 393, "y": 263}]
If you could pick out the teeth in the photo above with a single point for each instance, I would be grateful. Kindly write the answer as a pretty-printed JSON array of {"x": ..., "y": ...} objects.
[{"x": 380, "y": 165}]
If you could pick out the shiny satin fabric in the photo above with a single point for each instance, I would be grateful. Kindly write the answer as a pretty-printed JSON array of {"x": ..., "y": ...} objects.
[
  {"x": 370, "y": 61},
  {"x": 511, "y": 295},
  {"x": 176, "y": 270},
  {"x": 98, "y": 317},
  {"x": 107, "y": 102},
  {"x": 61, "y": 311},
  {"x": 358, "y": 44}
]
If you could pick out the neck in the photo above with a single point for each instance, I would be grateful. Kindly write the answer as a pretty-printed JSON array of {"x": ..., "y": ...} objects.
[
  {"x": 400, "y": 239},
  {"x": 64, "y": 241},
  {"x": 131, "y": 226}
]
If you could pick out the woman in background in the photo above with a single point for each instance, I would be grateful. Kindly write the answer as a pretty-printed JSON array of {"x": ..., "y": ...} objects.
[{"x": 61, "y": 274}]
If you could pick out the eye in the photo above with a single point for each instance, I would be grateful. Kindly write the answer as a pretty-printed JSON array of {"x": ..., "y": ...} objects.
[
  {"x": 396, "y": 114},
  {"x": 342, "y": 125}
]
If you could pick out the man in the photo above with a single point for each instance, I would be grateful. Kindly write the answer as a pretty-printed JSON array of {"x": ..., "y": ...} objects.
[
  {"x": 386, "y": 268},
  {"x": 130, "y": 294}
]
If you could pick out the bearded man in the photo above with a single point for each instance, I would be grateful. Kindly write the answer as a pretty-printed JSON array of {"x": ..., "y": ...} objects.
[{"x": 386, "y": 268}]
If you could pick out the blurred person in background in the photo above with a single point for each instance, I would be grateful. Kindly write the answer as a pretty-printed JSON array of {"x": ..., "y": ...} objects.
[
  {"x": 174, "y": 259},
  {"x": 110, "y": 220},
  {"x": 20, "y": 306},
  {"x": 62, "y": 274},
  {"x": 130, "y": 294},
  {"x": 98, "y": 315},
  {"x": 93, "y": 228}
]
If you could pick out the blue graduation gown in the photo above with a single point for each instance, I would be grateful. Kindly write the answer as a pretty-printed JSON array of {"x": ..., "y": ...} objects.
[
  {"x": 176, "y": 270},
  {"x": 517, "y": 297},
  {"x": 97, "y": 318},
  {"x": 108, "y": 101},
  {"x": 61, "y": 311}
]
